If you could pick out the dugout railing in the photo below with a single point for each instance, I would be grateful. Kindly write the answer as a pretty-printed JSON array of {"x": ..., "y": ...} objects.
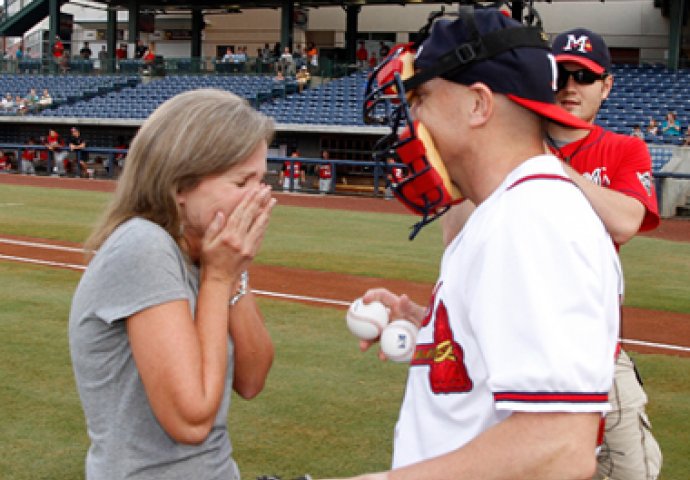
[{"x": 107, "y": 162}]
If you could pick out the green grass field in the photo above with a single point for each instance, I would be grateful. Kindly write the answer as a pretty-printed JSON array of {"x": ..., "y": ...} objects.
[{"x": 327, "y": 409}]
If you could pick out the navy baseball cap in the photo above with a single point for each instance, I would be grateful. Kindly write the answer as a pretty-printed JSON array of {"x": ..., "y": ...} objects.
[
  {"x": 484, "y": 45},
  {"x": 583, "y": 47}
]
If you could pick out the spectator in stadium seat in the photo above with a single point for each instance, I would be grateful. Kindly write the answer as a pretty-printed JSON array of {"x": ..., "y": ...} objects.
[
  {"x": 279, "y": 76},
  {"x": 686, "y": 140},
  {"x": 637, "y": 132},
  {"x": 46, "y": 99},
  {"x": 652, "y": 127},
  {"x": 671, "y": 126},
  {"x": 8, "y": 102},
  {"x": 32, "y": 98},
  {"x": 287, "y": 62},
  {"x": 228, "y": 57},
  {"x": 163, "y": 324},
  {"x": 303, "y": 78}
]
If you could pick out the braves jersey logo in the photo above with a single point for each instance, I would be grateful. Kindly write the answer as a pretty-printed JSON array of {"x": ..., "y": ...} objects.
[
  {"x": 581, "y": 44},
  {"x": 645, "y": 179},
  {"x": 598, "y": 177},
  {"x": 445, "y": 357}
]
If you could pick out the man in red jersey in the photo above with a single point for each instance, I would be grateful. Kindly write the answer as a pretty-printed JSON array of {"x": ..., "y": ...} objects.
[{"x": 615, "y": 173}]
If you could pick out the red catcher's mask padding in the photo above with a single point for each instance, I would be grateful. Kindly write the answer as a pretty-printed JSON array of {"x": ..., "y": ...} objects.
[{"x": 426, "y": 189}]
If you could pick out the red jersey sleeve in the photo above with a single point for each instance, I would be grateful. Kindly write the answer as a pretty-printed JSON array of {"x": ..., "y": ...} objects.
[{"x": 633, "y": 177}]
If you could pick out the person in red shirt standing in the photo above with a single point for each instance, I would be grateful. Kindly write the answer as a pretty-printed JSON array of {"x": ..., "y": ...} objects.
[
  {"x": 615, "y": 173},
  {"x": 325, "y": 173},
  {"x": 58, "y": 48},
  {"x": 362, "y": 56},
  {"x": 292, "y": 173}
]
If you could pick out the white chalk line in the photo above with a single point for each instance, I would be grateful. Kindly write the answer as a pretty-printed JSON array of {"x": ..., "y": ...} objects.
[
  {"x": 45, "y": 246},
  {"x": 264, "y": 293}
]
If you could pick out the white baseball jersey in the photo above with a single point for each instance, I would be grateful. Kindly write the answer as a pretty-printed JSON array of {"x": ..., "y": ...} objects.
[{"x": 524, "y": 316}]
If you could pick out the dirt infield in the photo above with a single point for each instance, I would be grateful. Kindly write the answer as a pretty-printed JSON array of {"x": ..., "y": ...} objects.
[{"x": 649, "y": 327}]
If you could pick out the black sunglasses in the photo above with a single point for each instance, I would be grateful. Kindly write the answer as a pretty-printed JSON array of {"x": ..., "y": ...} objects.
[{"x": 581, "y": 77}]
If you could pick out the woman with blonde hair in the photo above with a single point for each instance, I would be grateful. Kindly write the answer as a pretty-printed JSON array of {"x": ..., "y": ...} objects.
[{"x": 163, "y": 325}]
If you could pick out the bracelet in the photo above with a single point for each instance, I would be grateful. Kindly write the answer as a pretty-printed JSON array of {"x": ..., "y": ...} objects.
[{"x": 242, "y": 290}]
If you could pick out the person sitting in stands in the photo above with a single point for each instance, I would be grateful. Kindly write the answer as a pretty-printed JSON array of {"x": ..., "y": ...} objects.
[
  {"x": 302, "y": 78},
  {"x": 228, "y": 57},
  {"x": 279, "y": 76},
  {"x": 637, "y": 132},
  {"x": 671, "y": 126},
  {"x": 286, "y": 61},
  {"x": 686, "y": 140},
  {"x": 8, "y": 102},
  {"x": 46, "y": 100},
  {"x": 652, "y": 127}
]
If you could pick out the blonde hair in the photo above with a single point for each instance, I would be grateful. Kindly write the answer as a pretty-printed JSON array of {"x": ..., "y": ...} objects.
[{"x": 191, "y": 136}]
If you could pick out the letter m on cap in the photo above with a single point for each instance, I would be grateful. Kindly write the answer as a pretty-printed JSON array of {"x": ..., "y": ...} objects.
[{"x": 580, "y": 44}]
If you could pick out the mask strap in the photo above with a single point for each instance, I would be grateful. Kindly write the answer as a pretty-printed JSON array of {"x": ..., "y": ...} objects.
[{"x": 487, "y": 46}]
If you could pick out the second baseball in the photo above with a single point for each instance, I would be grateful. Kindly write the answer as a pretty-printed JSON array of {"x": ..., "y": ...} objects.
[{"x": 399, "y": 340}]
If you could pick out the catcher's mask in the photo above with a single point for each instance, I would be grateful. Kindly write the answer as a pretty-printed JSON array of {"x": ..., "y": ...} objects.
[{"x": 426, "y": 187}]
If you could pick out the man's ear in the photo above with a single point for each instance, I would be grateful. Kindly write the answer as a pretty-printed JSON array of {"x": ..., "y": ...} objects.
[
  {"x": 482, "y": 105},
  {"x": 606, "y": 87}
]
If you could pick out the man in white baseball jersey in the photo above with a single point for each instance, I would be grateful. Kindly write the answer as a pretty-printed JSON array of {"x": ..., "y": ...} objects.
[{"x": 514, "y": 354}]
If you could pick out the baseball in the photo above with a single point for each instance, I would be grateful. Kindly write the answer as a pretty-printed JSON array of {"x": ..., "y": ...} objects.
[
  {"x": 366, "y": 321},
  {"x": 398, "y": 340}
]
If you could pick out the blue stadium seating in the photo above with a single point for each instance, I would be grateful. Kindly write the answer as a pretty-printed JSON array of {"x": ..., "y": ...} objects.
[{"x": 640, "y": 92}]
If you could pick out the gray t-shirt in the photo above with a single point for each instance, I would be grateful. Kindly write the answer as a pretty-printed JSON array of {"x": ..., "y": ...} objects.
[{"x": 137, "y": 267}]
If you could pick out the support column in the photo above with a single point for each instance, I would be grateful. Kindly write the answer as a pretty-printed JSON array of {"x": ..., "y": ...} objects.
[
  {"x": 675, "y": 33},
  {"x": 53, "y": 32},
  {"x": 197, "y": 27},
  {"x": 352, "y": 17},
  {"x": 287, "y": 13},
  {"x": 111, "y": 39},
  {"x": 132, "y": 28},
  {"x": 517, "y": 10}
]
